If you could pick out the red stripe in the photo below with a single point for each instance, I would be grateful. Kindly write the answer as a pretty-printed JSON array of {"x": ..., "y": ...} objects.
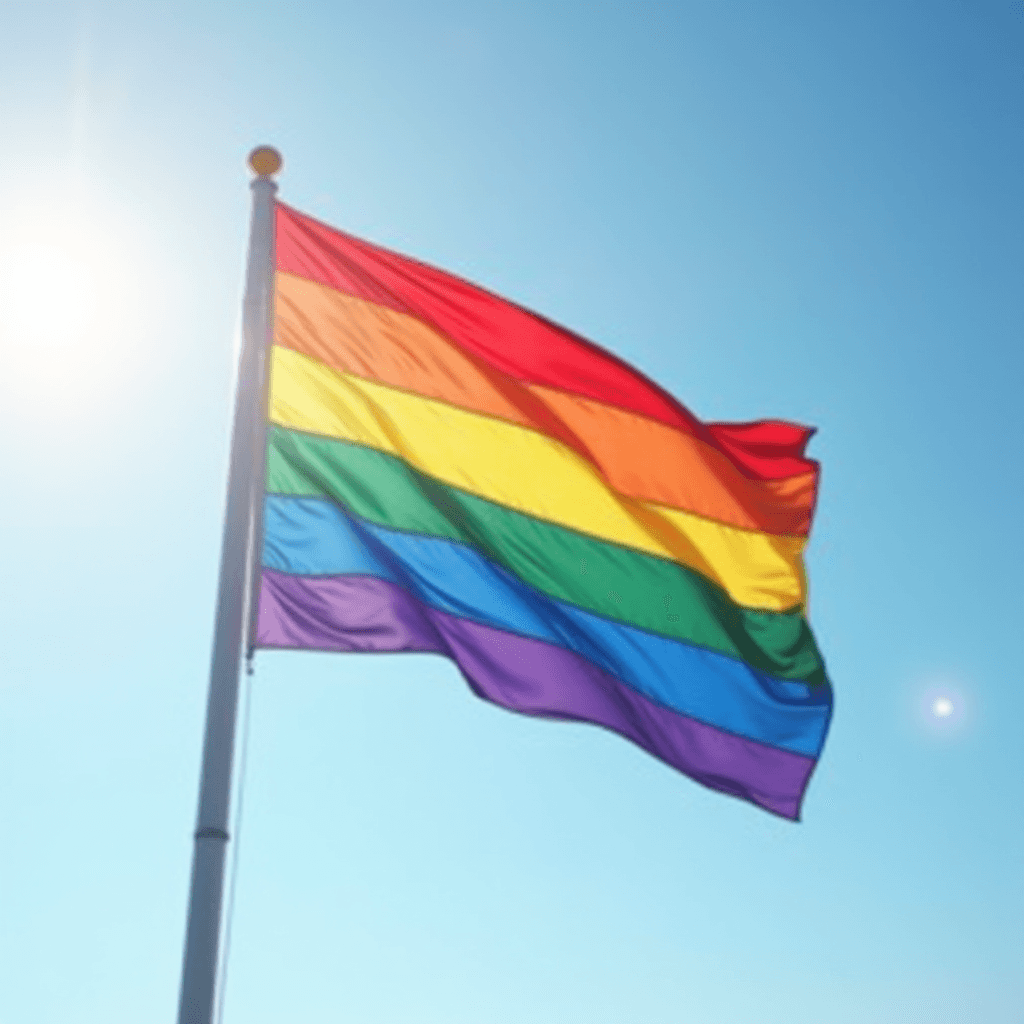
[{"x": 519, "y": 343}]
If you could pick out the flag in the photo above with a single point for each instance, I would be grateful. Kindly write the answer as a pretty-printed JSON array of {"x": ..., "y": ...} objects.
[{"x": 448, "y": 472}]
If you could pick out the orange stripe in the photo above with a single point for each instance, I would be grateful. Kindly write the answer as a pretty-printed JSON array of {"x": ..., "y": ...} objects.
[
  {"x": 636, "y": 453},
  {"x": 637, "y": 456}
]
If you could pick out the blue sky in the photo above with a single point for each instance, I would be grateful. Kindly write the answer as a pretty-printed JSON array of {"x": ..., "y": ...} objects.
[{"x": 798, "y": 210}]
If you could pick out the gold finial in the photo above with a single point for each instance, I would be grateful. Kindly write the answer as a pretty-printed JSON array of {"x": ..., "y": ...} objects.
[{"x": 265, "y": 161}]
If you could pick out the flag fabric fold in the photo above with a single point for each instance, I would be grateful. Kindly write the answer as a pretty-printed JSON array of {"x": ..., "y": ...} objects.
[{"x": 450, "y": 473}]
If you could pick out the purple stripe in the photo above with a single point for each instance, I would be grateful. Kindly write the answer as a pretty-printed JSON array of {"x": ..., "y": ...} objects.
[{"x": 361, "y": 613}]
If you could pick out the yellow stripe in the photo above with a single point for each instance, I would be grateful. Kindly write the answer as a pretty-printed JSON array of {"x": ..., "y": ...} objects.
[{"x": 531, "y": 473}]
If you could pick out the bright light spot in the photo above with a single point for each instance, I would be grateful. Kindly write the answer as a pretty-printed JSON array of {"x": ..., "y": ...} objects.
[
  {"x": 71, "y": 291},
  {"x": 945, "y": 706},
  {"x": 51, "y": 291}
]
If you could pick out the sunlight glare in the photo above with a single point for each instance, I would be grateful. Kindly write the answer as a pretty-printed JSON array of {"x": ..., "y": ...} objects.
[
  {"x": 69, "y": 298},
  {"x": 51, "y": 295}
]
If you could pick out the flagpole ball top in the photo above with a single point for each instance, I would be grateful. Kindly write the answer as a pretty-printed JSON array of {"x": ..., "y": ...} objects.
[{"x": 265, "y": 161}]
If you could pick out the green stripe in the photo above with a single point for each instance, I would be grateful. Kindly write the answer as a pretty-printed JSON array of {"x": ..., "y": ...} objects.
[{"x": 627, "y": 586}]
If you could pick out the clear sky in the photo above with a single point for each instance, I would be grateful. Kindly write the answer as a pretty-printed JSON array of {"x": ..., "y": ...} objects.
[{"x": 798, "y": 210}]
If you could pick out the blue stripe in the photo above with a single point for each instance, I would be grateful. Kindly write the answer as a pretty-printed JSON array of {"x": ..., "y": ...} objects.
[{"x": 314, "y": 537}]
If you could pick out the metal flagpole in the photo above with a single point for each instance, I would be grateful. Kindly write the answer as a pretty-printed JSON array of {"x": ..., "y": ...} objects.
[{"x": 202, "y": 939}]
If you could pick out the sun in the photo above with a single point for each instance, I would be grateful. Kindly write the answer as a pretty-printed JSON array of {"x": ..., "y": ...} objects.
[
  {"x": 51, "y": 293},
  {"x": 69, "y": 298}
]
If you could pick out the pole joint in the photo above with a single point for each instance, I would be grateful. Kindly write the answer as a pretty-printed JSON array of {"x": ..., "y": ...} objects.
[{"x": 212, "y": 833}]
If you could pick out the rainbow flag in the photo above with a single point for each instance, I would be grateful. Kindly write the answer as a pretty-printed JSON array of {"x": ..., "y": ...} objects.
[{"x": 448, "y": 472}]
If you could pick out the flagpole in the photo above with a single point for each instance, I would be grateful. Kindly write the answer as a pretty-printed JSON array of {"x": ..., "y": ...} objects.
[{"x": 202, "y": 939}]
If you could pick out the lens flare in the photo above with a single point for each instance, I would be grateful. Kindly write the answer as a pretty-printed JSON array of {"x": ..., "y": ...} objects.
[{"x": 944, "y": 707}]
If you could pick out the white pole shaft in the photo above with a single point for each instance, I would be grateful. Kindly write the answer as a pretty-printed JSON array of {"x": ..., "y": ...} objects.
[{"x": 202, "y": 941}]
